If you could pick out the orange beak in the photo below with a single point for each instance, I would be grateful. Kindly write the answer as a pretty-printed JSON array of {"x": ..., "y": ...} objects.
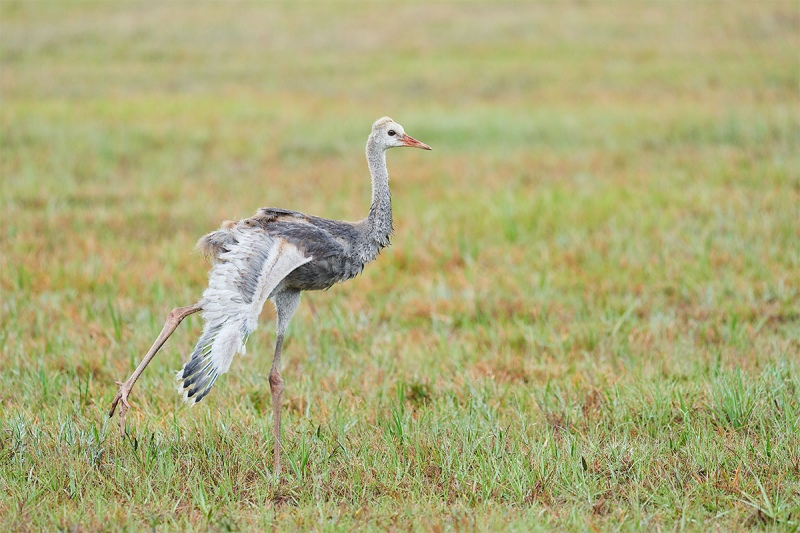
[{"x": 408, "y": 140}]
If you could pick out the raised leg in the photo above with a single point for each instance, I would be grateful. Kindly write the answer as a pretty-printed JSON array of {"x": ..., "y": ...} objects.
[
  {"x": 175, "y": 317},
  {"x": 285, "y": 306}
]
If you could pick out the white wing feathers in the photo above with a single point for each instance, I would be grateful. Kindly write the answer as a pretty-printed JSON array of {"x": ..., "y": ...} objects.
[{"x": 240, "y": 282}]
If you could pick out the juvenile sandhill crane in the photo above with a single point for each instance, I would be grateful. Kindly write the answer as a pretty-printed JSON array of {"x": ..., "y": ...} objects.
[{"x": 274, "y": 255}]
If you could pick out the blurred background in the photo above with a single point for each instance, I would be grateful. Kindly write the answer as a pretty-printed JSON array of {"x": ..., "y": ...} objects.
[
  {"x": 633, "y": 147},
  {"x": 590, "y": 160},
  {"x": 137, "y": 126},
  {"x": 612, "y": 196}
]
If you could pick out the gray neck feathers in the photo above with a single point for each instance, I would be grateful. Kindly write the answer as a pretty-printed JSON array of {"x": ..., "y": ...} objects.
[{"x": 379, "y": 222}]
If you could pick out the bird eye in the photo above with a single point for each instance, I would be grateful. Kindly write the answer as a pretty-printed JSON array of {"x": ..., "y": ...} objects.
[{"x": 392, "y": 133}]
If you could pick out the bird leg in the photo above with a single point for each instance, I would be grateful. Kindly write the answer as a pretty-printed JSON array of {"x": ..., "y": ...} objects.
[
  {"x": 286, "y": 303},
  {"x": 175, "y": 317},
  {"x": 276, "y": 386}
]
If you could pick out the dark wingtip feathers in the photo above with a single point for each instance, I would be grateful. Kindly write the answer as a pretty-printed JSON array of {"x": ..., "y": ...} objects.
[
  {"x": 196, "y": 380},
  {"x": 196, "y": 387}
]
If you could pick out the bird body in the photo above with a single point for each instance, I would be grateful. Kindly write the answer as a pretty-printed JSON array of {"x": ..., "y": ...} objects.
[
  {"x": 275, "y": 255},
  {"x": 339, "y": 249}
]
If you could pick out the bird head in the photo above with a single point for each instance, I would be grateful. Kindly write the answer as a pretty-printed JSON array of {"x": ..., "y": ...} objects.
[{"x": 387, "y": 133}]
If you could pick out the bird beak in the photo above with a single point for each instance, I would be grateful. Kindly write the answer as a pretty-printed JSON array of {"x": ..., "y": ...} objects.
[{"x": 408, "y": 140}]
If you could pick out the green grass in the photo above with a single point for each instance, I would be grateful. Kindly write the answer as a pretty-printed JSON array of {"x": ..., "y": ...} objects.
[{"x": 589, "y": 318}]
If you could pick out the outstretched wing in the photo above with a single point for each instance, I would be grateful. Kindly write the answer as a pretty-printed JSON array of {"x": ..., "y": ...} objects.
[{"x": 249, "y": 267}]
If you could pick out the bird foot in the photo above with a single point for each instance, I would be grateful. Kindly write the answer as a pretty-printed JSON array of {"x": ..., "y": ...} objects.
[{"x": 121, "y": 399}]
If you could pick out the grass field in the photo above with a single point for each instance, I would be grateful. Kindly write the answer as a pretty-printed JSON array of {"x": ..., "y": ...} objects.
[{"x": 589, "y": 318}]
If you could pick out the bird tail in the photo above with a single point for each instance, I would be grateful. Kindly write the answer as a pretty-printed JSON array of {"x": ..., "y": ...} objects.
[{"x": 214, "y": 244}]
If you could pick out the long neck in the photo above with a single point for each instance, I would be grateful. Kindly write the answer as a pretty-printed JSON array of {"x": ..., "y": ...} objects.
[{"x": 379, "y": 222}]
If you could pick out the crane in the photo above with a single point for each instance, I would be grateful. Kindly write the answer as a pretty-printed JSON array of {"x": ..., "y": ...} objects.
[{"x": 274, "y": 255}]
